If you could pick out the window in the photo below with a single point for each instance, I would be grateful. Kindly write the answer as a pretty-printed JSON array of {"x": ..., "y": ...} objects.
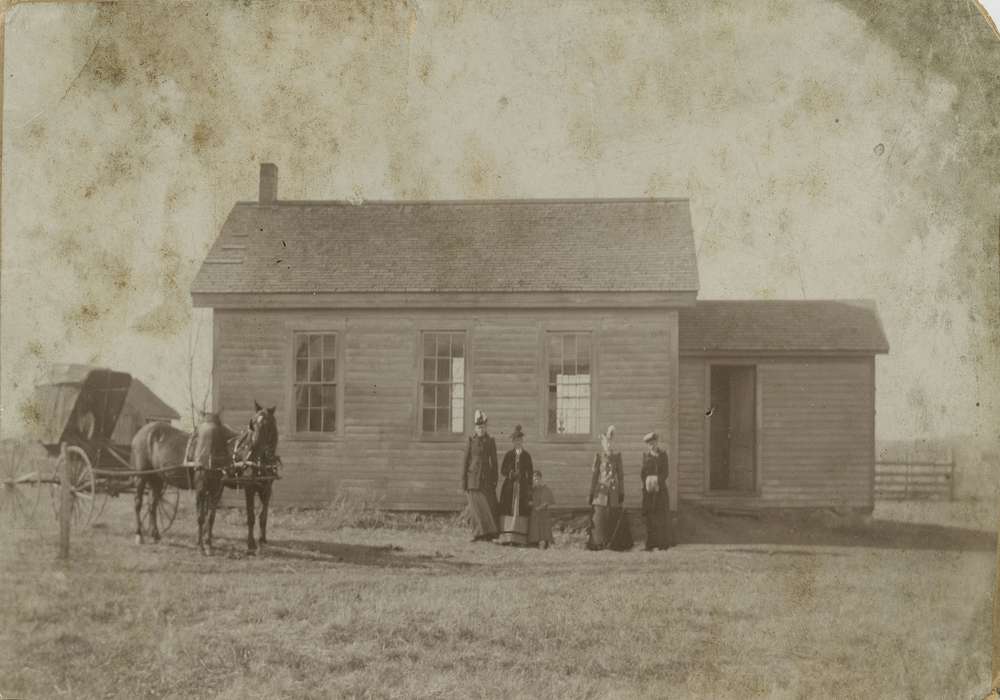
[
  {"x": 569, "y": 381},
  {"x": 315, "y": 382},
  {"x": 442, "y": 384}
]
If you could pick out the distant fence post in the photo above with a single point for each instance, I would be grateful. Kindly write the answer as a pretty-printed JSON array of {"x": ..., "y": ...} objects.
[{"x": 65, "y": 503}]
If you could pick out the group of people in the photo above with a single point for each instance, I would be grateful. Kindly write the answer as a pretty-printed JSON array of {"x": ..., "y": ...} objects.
[{"x": 521, "y": 516}]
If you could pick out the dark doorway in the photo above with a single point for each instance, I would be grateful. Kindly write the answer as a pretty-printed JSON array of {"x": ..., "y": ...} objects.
[{"x": 732, "y": 431}]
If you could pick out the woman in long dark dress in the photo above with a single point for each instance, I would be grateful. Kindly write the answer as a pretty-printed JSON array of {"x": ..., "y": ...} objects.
[
  {"x": 479, "y": 481},
  {"x": 517, "y": 470},
  {"x": 609, "y": 527},
  {"x": 655, "y": 494}
]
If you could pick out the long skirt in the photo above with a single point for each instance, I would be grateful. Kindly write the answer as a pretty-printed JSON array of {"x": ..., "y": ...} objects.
[
  {"x": 609, "y": 529},
  {"x": 540, "y": 527},
  {"x": 483, "y": 522},
  {"x": 656, "y": 516}
]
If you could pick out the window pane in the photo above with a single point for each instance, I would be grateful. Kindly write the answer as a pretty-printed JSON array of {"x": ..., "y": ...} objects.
[
  {"x": 428, "y": 370},
  {"x": 457, "y": 415},
  {"x": 443, "y": 370},
  {"x": 301, "y": 370},
  {"x": 428, "y": 345},
  {"x": 458, "y": 391},
  {"x": 329, "y": 370},
  {"x": 315, "y": 396},
  {"x": 328, "y": 396},
  {"x": 458, "y": 345},
  {"x": 315, "y": 370},
  {"x": 315, "y": 419},
  {"x": 329, "y": 420},
  {"x": 301, "y": 345},
  {"x": 583, "y": 353},
  {"x": 569, "y": 353},
  {"x": 301, "y": 420},
  {"x": 329, "y": 346},
  {"x": 458, "y": 370},
  {"x": 428, "y": 420},
  {"x": 428, "y": 395},
  {"x": 443, "y": 419},
  {"x": 301, "y": 397}
]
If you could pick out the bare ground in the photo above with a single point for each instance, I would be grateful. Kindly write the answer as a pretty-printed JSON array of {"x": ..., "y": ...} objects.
[{"x": 406, "y": 607}]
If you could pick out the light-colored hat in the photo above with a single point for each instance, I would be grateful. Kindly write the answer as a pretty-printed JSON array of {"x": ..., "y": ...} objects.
[
  {"x": 610, "y": 432},
  {"x": 480, "y": 417},
  {"x": 650, "y": 437}
]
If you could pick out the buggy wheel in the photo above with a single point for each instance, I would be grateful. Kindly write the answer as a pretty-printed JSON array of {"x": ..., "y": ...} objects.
[
  {"x": 82, "y": 486},
  {"x": 19, "y": 490},
  {"x": 166, "y": 510}
]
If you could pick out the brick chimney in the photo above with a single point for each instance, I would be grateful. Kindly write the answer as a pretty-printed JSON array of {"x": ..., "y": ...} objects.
[{"x": 268, "y": 183}]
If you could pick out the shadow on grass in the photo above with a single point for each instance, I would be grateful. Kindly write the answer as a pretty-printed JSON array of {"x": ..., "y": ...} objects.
[{"x": 385, "y": 556}]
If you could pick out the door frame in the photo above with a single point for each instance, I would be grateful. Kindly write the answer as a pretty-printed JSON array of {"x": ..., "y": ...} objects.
[{"x": 707, "y": 489}]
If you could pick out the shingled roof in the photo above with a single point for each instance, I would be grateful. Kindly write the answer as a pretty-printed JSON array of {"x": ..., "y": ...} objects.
[
  {"x": 614, "y": 245},
  {"x": 782, "y": 326}
]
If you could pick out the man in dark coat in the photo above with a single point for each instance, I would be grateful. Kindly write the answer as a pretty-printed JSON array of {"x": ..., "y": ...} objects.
[
  {"x": 479, "y": 481},
  {"x": 516, "y": 468},
  {"x": 655, "y": 496}
]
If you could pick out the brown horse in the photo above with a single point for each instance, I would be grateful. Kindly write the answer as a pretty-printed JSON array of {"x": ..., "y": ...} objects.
[
  {"x": 159, "y": 450},
  {"x": 158, "y": 447},
  {"x": 257, "y": 448}
]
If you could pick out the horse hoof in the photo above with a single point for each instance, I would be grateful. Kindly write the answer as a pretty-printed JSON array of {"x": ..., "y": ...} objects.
[{"x": 138, "y": 539}]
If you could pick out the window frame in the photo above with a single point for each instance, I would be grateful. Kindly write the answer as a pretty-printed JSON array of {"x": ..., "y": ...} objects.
[
  {"x": 291, "y": 422},
  {"x": 418, "y": 398},
  {"x": 543, "y": 376}
]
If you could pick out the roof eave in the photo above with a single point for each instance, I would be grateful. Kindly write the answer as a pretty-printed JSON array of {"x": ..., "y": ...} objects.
[{"x": 446, "y": 300}]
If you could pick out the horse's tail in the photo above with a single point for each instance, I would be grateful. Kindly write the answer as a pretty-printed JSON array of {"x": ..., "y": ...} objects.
[{"x": 143, "y": 445}]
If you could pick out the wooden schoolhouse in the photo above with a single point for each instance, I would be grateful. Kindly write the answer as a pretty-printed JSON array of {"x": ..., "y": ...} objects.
[{"x": 378, "y": 328}]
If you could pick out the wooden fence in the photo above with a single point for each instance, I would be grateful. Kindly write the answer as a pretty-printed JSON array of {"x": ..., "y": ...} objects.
[{"x": 907, "y": 480}]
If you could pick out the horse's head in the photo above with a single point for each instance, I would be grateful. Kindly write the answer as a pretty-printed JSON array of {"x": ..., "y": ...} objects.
[{"x": 263, "y": 433}]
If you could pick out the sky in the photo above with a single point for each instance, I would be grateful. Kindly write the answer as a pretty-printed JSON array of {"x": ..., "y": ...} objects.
[{"x": 823, "y": 155}]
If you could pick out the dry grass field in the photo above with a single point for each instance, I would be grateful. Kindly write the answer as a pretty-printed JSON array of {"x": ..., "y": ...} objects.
[{"x": 355, "y": 603}]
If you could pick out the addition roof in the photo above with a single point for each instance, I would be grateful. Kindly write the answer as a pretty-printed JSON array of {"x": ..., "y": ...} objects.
[{"x": 828, "y": 326}]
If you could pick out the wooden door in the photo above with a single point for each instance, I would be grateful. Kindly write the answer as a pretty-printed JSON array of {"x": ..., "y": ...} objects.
[
  {"x": 719, "y": 429},
  {"x": 742, "y": 428}
]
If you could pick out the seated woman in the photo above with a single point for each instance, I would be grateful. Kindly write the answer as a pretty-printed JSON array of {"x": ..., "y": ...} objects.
[
  {"x": 540, "y": 525},
  {"x": 609, "y": 526}
]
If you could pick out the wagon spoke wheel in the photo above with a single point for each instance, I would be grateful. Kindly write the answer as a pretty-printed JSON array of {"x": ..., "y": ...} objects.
[
  {"x": 82, "y": 486},
  {"x": 19, "y": 490},
  {"x": 166, "y": 510}
]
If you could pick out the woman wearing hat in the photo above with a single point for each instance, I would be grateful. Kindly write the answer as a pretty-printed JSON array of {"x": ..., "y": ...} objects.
[
  {"x": 609, "y": 528},
  {"x": 479, "y": 480},
  {"x": 518, "y": 473},
  {"x": 655, "y": 496}
]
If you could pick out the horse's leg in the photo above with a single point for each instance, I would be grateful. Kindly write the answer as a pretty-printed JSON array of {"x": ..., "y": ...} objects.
[
  {"x": 248, "y": 494},
  {"x": 156, "y": 488},
  {"x": 213, "y": 492},
  {"x": 265, "y": 499},
  {"x": 200, "y": 497},
  {"x": 140, "y": 486}
]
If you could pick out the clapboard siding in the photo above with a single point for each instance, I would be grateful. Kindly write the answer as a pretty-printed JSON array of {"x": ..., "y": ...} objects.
[
  {"x": 378, "y": 448},
  {"x": 816, "y": 442}
]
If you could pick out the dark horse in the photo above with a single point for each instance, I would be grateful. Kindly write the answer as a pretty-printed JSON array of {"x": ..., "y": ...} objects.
[
  {"x": 159, "y": 448},
  {"x": 257, "y": 449}
]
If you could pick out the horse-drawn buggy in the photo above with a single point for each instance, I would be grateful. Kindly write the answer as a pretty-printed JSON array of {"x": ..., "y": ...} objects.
[{"x": 75, "y": 413}]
